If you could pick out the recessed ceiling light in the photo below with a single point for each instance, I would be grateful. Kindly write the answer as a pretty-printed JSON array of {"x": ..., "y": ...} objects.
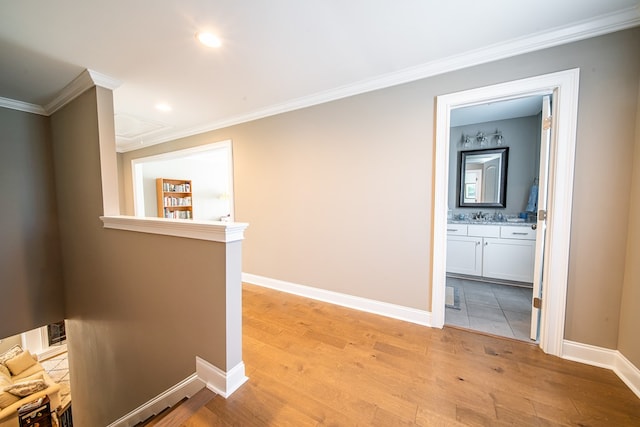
[
  {"x": 162, "y": 106},
  {"x": 208, "y": 39}
]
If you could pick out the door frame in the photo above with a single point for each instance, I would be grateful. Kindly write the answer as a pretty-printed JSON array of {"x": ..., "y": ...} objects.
[{"x": 564, "y": 87}]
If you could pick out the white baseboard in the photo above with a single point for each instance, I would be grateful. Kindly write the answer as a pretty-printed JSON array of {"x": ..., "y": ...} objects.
[
  {"x": 207, "y": 375},
  {"x": 218, "y": 381},
  {"x": 604, "y": 358},
  {"x": 413, "y": 315},
  {"x": 589, "y": 354},
  {"x": 628, "y": 373},
  {"x": 187, "y": 387}
]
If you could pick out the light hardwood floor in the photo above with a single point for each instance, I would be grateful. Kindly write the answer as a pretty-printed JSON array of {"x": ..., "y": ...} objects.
[{"x": 315, "y": 364}]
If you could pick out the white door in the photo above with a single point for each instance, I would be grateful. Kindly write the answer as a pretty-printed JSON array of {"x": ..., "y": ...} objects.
[{"x": 541, "y": 225}]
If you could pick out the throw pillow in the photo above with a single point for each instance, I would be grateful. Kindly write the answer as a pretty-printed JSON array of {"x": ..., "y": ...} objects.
[
  {"x": 6, "y": 399},
  {"x": 10, "y": 354},
  {"x": 20, "y": 363},
  {"x": 4, "y": 381},
  {"x": 25, "y": 388},
  {"x": 4, "y": 371}
]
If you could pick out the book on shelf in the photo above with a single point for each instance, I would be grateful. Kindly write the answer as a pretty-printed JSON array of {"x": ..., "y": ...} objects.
[
  {"x": 177, "y": 201},
  {"x": 177, "y": 214},
  {"x": 176, "y": 188}
]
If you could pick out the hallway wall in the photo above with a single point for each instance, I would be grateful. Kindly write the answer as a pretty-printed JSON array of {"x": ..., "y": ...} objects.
[
  {"x": 31, "y": 286},
  {"x": 340, "y": 195}
]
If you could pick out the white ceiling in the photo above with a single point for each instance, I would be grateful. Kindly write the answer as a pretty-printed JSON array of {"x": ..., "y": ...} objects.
[{"x": 277, "y": 55}]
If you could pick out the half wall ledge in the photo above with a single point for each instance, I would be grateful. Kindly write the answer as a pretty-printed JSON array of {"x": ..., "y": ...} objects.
[{"x": 215, "y": 231}]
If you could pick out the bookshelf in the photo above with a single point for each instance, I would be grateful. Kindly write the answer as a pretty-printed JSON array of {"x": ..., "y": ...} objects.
[{"x": 174, "y": 198}]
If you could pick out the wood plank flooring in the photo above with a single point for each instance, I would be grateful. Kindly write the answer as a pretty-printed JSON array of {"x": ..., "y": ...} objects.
[{"x": 315, "y": 364}]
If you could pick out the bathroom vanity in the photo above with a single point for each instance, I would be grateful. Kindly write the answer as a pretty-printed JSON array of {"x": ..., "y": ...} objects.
[{"x": 491, "y": 250}]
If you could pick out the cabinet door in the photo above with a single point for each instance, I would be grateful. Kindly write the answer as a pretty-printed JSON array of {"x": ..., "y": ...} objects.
[
  {"x": 508, "y": 259},
  {"x": 464, "y": 255}
]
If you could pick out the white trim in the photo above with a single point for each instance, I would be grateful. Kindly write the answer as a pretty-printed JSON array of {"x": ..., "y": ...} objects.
[
  {"x": 138, "y": 188},
  {"x": 77, "y": 87},
  {"x": 219, "y": 381},
  {"x": 564, "y": 86},
  {"x": 103, "y": 80},
  {"x": 628, "y": 373},
  {"x": 85, "y": 80},
  {"x": 215, "y": 231},
  {"x": 597, "y": 26},
  {"x": 394, "y": 311},
  {"x": 604, "y": 358},
  {"x": 187, "y": 387},
  {"x": 12, "y": 104},
  {"x": 589, "y": 354}
]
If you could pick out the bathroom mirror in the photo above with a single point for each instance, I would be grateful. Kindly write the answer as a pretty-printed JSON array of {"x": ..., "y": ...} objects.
[{"x": 482, "y": 178}]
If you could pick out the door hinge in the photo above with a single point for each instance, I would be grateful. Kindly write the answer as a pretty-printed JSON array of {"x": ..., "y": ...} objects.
[
  {"x": 542, "y": 215},
  {"x": 546, "y": 123},
  {"x": 537, "y": 303}
]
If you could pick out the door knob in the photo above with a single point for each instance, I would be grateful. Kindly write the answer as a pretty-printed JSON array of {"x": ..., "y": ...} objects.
[{"x": 534, "y": 226}]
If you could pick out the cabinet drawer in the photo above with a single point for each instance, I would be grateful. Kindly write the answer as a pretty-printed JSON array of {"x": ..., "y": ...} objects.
[
  {"x": 484, "y": 230},
  {"x": 517, "y": 233},
  {"x": 457, "y": 229}
]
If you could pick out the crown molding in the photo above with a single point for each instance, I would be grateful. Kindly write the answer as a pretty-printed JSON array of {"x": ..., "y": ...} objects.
[
  {"x": 103, "y": 80},
  {"x": 603, "y": 24},
  {"x": 22, "y": 106},
  {"x": 86, "y": 79}
]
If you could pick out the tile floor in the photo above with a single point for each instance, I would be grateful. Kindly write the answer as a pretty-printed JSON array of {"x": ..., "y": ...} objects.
[{"x": 493, "y": 308}]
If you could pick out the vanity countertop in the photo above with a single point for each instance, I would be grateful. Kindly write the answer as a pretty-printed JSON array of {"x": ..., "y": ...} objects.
[{"x": 485, "y": 222}]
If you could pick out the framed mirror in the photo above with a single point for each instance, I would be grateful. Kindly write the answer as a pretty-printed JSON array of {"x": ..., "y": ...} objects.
[{"x": 482, "y": 178}]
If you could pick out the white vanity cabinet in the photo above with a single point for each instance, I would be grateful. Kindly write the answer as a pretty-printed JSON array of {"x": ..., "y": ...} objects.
[
  {"x": 491, "y": 251},
  {"x": 464, "y": 255}
]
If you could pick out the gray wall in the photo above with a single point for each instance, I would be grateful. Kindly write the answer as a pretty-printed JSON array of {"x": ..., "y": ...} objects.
[
  {"x": 30, "y": 274},
  {"x": 521, "y": 135},
  {"x": 140, "y": 307},
  {"x": 348, "y": 184},
  {"x": 629, "y": 344}
]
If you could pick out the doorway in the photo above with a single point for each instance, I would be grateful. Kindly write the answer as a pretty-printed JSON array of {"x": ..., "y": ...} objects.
[
  {"x": 495, "y": 151},
  {"x": 208, "y": 167},
  {"x": 564, "y": 87}
]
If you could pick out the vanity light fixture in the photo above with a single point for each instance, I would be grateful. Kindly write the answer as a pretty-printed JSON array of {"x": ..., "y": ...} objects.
[
  {"x": 208, "y": 39},
  {"x": 483, "y": 139}
]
